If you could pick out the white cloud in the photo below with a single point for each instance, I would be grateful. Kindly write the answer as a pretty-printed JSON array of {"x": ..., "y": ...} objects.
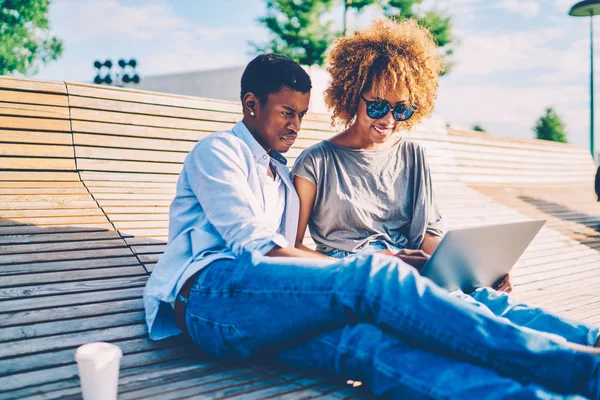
[
  {"x": 110, "y": 19},
  {"x": 528, "y": 9},
  {"x": 185, "y": 54},
  {"x": 514, "y": 111}
]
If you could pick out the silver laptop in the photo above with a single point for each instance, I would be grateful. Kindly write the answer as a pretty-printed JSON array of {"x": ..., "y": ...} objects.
[{"x": 476, "y": 257}]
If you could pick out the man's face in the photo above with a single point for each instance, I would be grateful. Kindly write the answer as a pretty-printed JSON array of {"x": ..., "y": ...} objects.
[{"x": 278, "y": 120}]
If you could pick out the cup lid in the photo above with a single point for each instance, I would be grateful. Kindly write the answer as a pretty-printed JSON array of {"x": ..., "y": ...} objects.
[{"x": 98, "y": 352}]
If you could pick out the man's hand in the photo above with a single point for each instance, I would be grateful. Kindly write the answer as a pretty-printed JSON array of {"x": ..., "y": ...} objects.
[
  {"x": 416, "y": 258},
  {"x": 504, "y": 284}
]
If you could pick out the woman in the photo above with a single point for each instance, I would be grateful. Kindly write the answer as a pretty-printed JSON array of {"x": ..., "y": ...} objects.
[{"x": 366, "y": 190}]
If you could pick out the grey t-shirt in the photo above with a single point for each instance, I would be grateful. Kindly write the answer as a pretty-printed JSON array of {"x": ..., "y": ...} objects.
[{"x": 368, "y": 195}]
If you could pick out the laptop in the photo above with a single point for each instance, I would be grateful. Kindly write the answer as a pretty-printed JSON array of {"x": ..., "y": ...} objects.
[{"x": 480, "y": 256}]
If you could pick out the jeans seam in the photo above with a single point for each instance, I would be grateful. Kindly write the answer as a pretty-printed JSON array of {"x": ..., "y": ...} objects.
[
  {"x": 465, "y": 348},
  {"x": 389, "y": 372}
]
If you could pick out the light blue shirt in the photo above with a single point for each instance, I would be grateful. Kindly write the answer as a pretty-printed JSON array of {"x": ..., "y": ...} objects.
[{"x": 218, "y": 213}]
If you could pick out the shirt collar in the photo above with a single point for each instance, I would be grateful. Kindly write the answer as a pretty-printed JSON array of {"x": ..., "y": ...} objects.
[{"x": 258, "y": 152}]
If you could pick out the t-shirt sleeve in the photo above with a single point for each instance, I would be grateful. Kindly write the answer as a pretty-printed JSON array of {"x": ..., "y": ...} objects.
[
  {"x": 426, "y": 214},
  {"x": 306, "y": 166}
]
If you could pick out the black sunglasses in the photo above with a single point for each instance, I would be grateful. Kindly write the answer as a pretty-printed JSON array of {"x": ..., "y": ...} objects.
[{"x": 377, "y": 109}]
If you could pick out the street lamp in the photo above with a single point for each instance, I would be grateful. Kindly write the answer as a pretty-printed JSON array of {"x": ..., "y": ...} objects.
[{"x": 589, "y": 8}]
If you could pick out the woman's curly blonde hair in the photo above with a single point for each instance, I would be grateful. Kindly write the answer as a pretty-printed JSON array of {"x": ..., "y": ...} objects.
[{"x": 389, "y": 56}]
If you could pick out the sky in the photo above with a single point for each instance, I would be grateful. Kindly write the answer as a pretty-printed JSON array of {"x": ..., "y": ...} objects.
[{"x": 514, "y": 58}]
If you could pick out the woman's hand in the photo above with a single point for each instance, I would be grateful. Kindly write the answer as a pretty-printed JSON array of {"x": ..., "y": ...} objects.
[
  {"x": 504, "y": 285},
  {"x": 416, "y": 258}
]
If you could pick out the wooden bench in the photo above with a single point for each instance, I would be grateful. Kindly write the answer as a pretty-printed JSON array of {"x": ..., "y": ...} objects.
[{"x": 86, "y": 177}]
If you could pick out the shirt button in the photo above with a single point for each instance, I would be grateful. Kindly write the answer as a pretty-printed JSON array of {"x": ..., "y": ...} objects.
[{"x": 264, "y": 157}]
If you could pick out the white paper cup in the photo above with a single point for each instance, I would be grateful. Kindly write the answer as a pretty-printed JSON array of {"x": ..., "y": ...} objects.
[{"x": 98, "y": 365}]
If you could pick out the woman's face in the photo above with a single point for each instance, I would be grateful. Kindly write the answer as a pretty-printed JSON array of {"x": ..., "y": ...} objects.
[{"x": 378, "y": 130}]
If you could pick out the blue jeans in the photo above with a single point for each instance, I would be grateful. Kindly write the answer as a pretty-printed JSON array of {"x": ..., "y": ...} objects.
[
  {"x": 375, "y": 319},
  {"x": 503, "y": 305}
]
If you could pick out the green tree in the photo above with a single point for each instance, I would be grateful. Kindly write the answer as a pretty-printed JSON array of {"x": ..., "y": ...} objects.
[
  {"x": 478, "y": 128},
  {"x": 25, "y": 39},
  {"x": 550, "y": 127},
  {"x": 301, "y": 33}
]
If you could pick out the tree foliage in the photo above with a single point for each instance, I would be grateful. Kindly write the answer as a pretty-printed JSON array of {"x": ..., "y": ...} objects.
[
  {"x": 300, "y": 30},
  {"x": 550, "y": 127},
  {"x": 26, "y": 42}
]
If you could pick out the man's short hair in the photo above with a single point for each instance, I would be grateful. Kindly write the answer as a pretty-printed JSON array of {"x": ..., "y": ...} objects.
[{"x": 268, "y": 73}]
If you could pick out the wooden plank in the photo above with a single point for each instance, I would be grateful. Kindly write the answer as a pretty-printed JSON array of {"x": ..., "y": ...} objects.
[
  {"x": 42, "y": 329},
  {"x": 37, "y": 164},
  {"x": 130, "y": 107},
  {"x": 138, "y": 96},
  {"x": 99, "y": 190},
  {"x": 57, "y": 237},
  {"x": 22, "y": 382},
  {"x": 33, "y": 110},
  {"x": 129, "y": 185},
  {"x": 133, "y": 196},
  {"x": 68, "y": 265},
  {"x": 97, "y": 177},
  {"x": 133, "y": 143},
  {"x": 66, "y": 288},
  {"x": 25, "y": 204},
  {"x": 70, "y": 340},
  {"x": 16, "y": 214},
  {"x": 54, "y": 360},
  {"x": 35, "y": 137},
  {"x": 128, "y": 166},
  {"x": 32, "y": 85},
  {"x": 51, "y": 190},
  {"x": 46, "y": 99},
  {"x": 35, "y": 124},
  {"x": 35, "y": 150},
  {"x": 129, "y": 155},
  {"x": 105, "y": 293},
  {"x": 22, "y": 318},
  {"x": 61, "y": 246},
  {"x": 73, "y": 275},
  {"x": 80, "y": 114},
  {"x": 30, "y": 176},
  {"x": 106, "y": 128},
  {"x": 63, "y": 255},
  {"x": 49, "y": 221},
  {"x": 139, "y": 217},
  {"x": 27, "y": 230}
]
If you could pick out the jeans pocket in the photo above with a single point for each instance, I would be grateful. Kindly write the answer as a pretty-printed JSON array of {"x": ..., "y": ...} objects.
[{"x": 224, "y": 341}]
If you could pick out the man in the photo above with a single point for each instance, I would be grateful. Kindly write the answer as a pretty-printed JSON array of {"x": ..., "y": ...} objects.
[{"x": 231, "y": 279}]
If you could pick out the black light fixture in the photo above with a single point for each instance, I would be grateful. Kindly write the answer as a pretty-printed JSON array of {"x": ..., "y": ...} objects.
[{"x": 126, "y": 75}]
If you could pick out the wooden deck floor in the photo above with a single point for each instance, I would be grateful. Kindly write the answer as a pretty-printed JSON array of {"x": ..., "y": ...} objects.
[{"x": 51, "y": 305}]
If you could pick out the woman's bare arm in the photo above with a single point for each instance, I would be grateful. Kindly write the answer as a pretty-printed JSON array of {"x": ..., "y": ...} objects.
[{"x": 306, "y": 192}]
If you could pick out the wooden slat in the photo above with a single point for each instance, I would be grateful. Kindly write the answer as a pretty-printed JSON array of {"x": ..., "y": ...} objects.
[
  {"x": 86, "y": 164},
  {"x": 33, "y": 98},
  {"x": 29, "y": 292},
  {"x": 146, "y": 120},
  {"x": 67, "y": 265},
  {"x": 130, "y": 155},
  {"x": 35, "y": 150},
  {"x": 33, "y": 110},
  {"x": 78, "y": 89},
  {"x": 32, "y": 85},
  {"x": 133, "y": 143},
  {"x": 106, "y": 128},
  {"x": 35, "y": 124},
  {"x": 20, "y": 176},
  {"x": 35, "y": 137},
  {"x": 37, "y": 164}
]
